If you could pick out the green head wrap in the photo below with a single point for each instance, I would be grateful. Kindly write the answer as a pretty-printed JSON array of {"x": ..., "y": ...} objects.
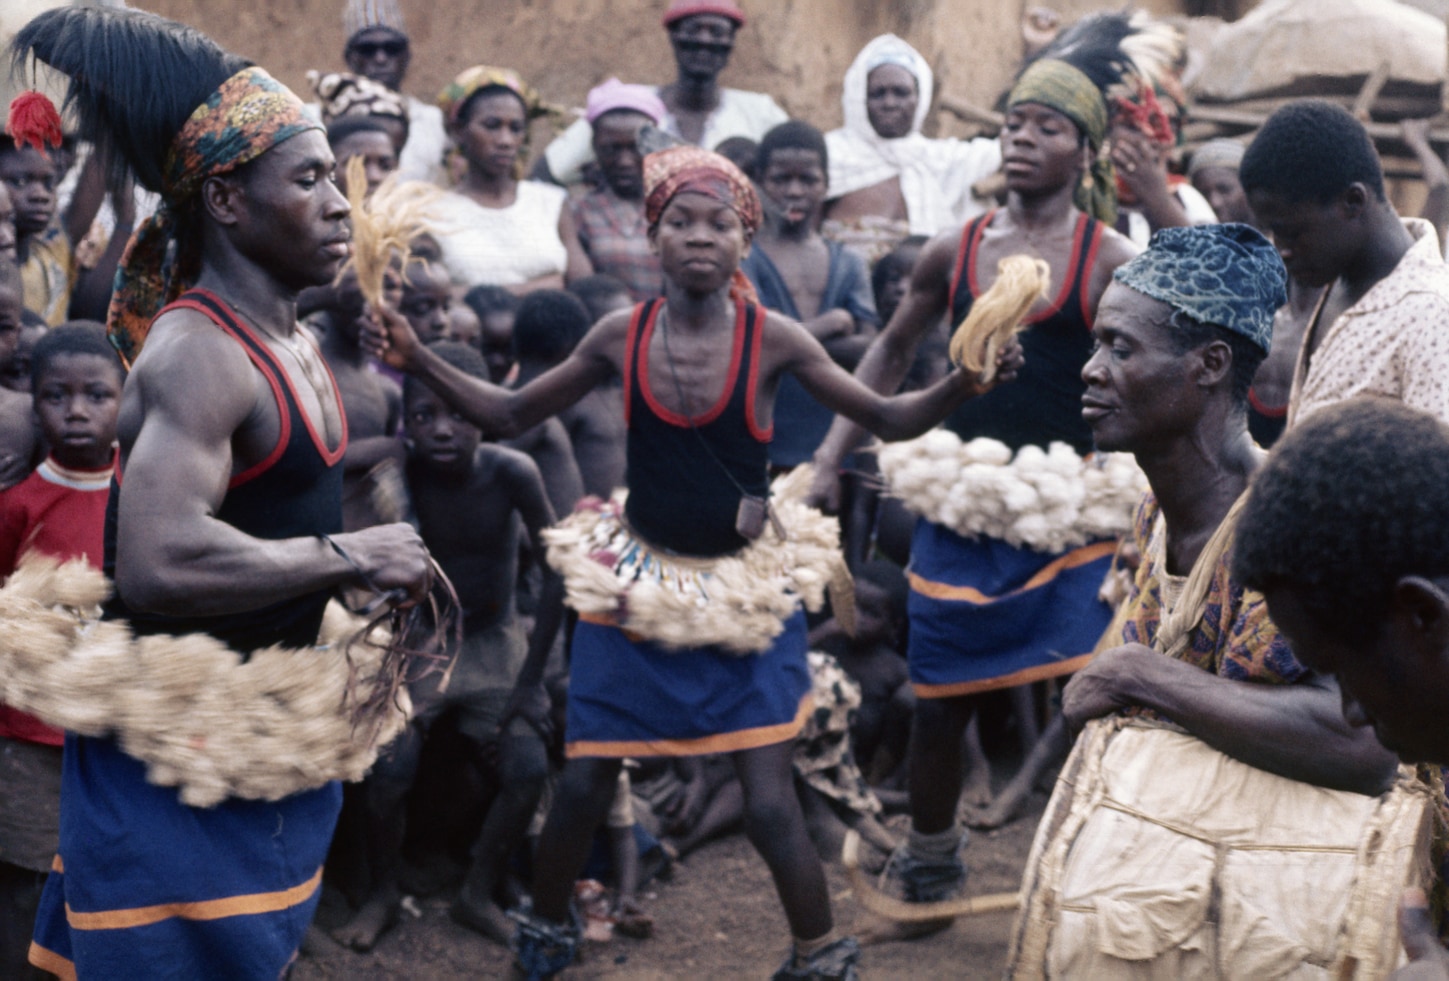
[{"x": 1060, "y": 86}]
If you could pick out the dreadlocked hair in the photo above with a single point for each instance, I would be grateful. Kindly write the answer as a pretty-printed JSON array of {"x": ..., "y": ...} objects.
[{"x": 135, "y": 79}]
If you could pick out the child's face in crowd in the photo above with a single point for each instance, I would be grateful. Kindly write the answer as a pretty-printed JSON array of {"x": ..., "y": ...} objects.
[
  {"x": 76, "y": 400},
  {"x": 7, "y": 225},
  {"x": 15, "y": 373},
  {"x": 29, "y": 176},
  {"x": 700, "y": 242},
  {"x": 463, "y": 325},
  {"x": 427, "y": 299},
  {"x": 439, "y": 439},
  {"x": 498, "y": 345},
  {"x": 10, "y": 308},
  {"x": 794, "y": 179}
]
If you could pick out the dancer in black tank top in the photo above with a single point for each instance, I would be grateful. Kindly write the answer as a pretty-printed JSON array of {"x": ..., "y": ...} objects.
[
  {"x": 972, "y": 621},
  {"x": 701, "y": 368},
  {"x": 230, "y": 440}
]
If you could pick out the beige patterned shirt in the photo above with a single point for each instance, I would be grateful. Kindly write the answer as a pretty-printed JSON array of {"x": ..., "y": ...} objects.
[{"x": 1394, "y": 342}]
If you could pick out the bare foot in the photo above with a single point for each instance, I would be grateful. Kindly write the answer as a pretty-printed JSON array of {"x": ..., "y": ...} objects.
[
  {"x": 878, "y": 930},
  {"x": 977, "y": 792},
  {"x": 484, "y": 917},
  {"x": 1002, "y": 811},
  {"x": 377, "y": 915}
]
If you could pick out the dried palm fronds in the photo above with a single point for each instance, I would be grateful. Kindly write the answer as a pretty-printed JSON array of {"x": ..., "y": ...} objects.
[
  {"x": 997, "y": 315},
  {"x": 384, "y": 224}
]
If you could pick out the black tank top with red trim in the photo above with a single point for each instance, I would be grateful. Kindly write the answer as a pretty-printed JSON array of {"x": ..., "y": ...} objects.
[
  {"x": 1044, "y": 403},
  {"x": 296, "y": 491},
  {"x": 680, "y": 496}
]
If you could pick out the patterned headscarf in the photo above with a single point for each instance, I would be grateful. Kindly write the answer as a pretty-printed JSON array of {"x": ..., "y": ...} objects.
[
  {"x": 1229, "y": 275},
  {"x": 470, "y": 81},
  {"x": 690, "y": 169},
  {"x": 345, "y": 94},
  {"x": 248, "y": 115},
  {"x": 1060, "y": 86}
]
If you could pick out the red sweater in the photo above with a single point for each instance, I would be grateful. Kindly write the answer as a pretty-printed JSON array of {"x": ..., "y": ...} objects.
[{"x": 56, "y": 512}]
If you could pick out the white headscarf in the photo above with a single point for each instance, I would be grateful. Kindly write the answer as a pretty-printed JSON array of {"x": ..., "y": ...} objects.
[{"x": 935, "y": 175}]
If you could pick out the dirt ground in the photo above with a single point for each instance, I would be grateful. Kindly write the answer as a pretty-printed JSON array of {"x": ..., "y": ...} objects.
[{"x": 717, "y": 918}]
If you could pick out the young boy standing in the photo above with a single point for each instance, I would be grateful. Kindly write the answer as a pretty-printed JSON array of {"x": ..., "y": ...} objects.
[
  {"x": 697, "y": 470},
  {"x": 822, "y": 284},
  {"x": 470, "y": 500},
  {"x": 59, "y": 511}
]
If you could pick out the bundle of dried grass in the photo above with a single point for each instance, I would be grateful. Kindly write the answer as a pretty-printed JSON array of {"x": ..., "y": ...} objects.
[
  {"x": 188, "y": 707},
  {"x": 997, "y": 314},
  {"x": 384, "y": 224},
  {"x": 737, "y": 602}
]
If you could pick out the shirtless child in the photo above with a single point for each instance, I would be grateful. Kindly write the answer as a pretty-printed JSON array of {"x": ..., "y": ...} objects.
[
  {"x": 549, "y": 325},
  {"x": 470, "y": 499},
  {"x": 695, "y": 400},
  {"x": 427, "y": 298}
]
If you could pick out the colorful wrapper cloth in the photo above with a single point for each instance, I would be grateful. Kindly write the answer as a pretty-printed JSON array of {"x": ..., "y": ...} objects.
[
  {"x": 1065, "y": 88},
  {"x": 250, "y": 113},
  {"x": 692, "y": 170}
]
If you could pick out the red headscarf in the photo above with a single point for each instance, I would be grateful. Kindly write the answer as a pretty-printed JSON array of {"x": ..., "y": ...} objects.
[{"x": 689, "y": 169}]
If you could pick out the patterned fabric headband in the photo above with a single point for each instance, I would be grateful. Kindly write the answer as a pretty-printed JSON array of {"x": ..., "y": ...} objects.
[{"x": 248, "y": 115}]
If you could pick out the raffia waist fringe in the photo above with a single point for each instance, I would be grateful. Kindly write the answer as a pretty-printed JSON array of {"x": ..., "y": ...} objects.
[
  {"x": 1047, "y": 500},
  {"x": 737, "y": 602},
  {"x": 188, "y": 707}
]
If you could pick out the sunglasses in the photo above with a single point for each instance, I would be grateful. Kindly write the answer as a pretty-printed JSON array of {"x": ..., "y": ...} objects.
[
  {"x": 371, "y": 49},
  {"x": 711, "y": 47}
]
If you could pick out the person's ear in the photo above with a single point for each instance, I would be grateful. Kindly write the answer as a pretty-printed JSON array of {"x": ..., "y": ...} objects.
[
  {"x": 1354, "y": 200},
  {"x": 1419, "y": 618},
  {"x": 223, "y": 199},
  {"x": 1215, "y": 363}
]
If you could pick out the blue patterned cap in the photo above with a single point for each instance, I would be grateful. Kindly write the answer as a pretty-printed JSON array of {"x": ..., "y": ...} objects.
[{"x": 1229, "y": 275}]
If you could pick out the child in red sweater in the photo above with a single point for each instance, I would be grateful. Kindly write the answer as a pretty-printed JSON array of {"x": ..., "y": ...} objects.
[{"x": 58, "y": 510}]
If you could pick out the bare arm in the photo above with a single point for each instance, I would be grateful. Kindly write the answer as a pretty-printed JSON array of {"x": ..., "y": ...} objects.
[
  {"x": 1436, "y": 174},
  {"x": 888, "y": 358},
  {"x": 531, "y": 501},
  {"x": 173, "y": 556},
  {"x": 579, "y": 264},
  {"x": 90, "y": 193},
  {"x": 499, "y": 411},
  {"x": 1142, "y": 164},
  {"x": 890, "y": 418},
  {"x": 1296, "y": 730}
]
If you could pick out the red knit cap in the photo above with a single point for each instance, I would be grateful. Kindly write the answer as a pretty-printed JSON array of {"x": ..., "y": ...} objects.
[{"x": 680, "y": 9}]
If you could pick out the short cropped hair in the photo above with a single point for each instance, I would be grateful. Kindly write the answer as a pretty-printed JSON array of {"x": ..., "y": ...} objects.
[
  {"x": 1353, "y": 499},
  {"x": 792, "y": 135},
  {"x": 1188, "y": 334},
  {"x": 467, "y": 359},
  {"x": 1311, "y": 150},
  {"x": 74, "y": 337},
  {"x": 488, "y": 300},
  {"x": 595, "y": 290},
  {"x": 549, "y": 324}
]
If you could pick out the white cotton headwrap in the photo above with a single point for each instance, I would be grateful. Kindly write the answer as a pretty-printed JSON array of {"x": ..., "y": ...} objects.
[{"x": 935, "y": 175}]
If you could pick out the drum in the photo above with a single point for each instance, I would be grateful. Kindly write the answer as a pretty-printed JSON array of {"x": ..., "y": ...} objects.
[{"x": 1160, "y": 857}]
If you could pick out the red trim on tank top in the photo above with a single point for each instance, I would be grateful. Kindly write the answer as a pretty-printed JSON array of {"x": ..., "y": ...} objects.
[
  {"x": 970, "y": 238},
  {"x": 752, "y": 382},
  {"x": 736, "y": 355},
  {"x": 631, "y": 340},
  {"x": 1271, "y": 411},
  {"x": 1063, "y": 291},
  {"x": 284, "y": 435},
  {"x": 1086, "y": 268}
]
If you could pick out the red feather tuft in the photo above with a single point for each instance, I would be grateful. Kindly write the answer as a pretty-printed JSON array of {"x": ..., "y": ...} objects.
[{"x": 34, "y": 120}]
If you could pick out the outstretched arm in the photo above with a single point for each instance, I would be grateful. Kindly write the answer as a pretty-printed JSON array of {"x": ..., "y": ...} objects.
[
  {"x": 189, "y": 394},
  {"x": 889, "y": 356},
  {"x": 890, "y": 418},
  {"x": 499, "y": 411},
  {"x": 1294, "y": 730}
]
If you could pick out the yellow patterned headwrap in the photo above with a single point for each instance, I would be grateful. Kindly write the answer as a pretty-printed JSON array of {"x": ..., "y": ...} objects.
[
  {"x": 1065, "y": 88},
  {"x": 250, "y": 113}
]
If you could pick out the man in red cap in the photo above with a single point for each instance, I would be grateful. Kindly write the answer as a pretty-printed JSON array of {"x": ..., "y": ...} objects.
[{"x": 699, "y": 110}]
